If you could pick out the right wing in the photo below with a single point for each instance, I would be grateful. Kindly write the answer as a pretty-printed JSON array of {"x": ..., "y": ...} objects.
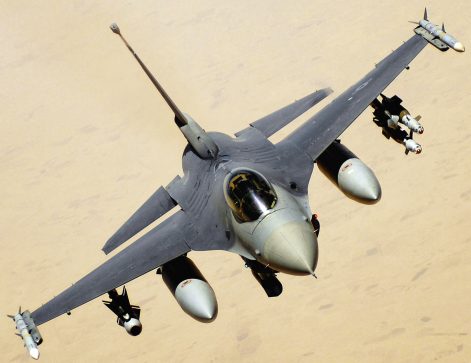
[{"x": 165, "y": 242}]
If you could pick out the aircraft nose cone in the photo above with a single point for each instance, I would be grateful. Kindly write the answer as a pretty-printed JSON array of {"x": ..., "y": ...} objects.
[
  {"x": 197, "y": 299},
  {"x": 292, "y": 248},
  {"x": 459, "y": 47}
]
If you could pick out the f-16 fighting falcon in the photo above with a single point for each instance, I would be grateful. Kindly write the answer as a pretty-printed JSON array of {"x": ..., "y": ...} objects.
[{"x": 245, "y": 195}]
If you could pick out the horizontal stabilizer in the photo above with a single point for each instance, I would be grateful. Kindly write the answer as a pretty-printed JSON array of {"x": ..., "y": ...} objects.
[
  {"x": 275, "y": 121},
  {"x": 155, "y": 207}
]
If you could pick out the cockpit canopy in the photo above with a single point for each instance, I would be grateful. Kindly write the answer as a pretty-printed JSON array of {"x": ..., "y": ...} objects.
[{"x": 249, "y": 195}]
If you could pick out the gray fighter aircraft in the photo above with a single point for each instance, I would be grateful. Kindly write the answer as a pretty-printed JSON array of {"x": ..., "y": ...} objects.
[{"x": 245, "y": 195}]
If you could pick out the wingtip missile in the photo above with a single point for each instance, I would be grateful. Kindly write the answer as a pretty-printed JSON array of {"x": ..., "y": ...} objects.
[
  {"x": 459, "y": 47},
  {"x": 28, "y": 332},
  {"x": 437, "y": 36}
]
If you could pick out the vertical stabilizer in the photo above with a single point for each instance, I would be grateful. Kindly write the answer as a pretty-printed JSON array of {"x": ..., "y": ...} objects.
[
  {"x": 425, "y": 14},
  {"x": 201, "y": 142}
]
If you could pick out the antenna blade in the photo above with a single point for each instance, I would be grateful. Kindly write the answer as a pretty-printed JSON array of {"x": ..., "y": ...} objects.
[{"x": 180, "y": 119}]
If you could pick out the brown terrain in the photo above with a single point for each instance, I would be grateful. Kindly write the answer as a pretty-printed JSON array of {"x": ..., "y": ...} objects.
[{"x": 85, "y": 139}]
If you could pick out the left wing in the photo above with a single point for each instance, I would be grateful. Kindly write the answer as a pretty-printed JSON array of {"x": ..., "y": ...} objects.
[
  {"x": 165, "y": 242},
  {"x": 316, "y": 134}
]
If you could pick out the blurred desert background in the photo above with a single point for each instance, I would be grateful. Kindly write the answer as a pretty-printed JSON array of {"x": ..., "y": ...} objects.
[{"x": 85, "y": 140}]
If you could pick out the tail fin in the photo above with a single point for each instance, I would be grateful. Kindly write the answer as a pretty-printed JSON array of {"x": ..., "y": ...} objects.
[
  {"x": 425, "y": 14},
  {"x": 180, "y": 119},
  {"x": 202, "y": 143}
]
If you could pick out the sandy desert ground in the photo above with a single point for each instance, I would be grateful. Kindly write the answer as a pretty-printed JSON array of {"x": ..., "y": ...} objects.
[{"x": 85, "y": 140}]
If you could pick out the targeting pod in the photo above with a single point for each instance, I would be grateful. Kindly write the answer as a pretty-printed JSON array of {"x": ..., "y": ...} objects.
[
  {"x": 265, "y": 276},
  {"x": 189, "y": 287}
]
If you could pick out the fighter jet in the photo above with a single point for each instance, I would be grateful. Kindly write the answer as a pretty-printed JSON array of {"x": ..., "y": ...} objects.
[{"x": 242, "y": 194}]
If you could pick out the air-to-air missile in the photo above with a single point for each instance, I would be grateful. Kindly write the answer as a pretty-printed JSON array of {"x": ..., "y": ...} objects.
[
  {"x": 437, "y": 36},
  {"x": 389, "y": 114},
  {"x": 351, "y": 175},
  {"x": 28, "y": 331},
  {"x": 189, "y": 287}
]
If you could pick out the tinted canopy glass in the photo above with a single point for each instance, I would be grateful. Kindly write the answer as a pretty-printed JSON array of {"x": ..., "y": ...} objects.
[{"x": 249, "y": 195}]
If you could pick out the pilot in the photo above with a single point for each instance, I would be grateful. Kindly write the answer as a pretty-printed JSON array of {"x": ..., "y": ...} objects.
[{"x": 249, "y": 195}]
